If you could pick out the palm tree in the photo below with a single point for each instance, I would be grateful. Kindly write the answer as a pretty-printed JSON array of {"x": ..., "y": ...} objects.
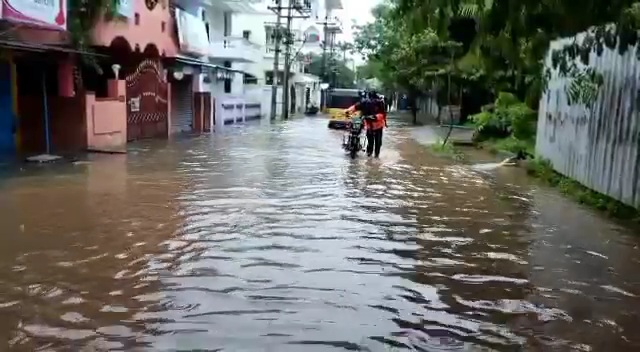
[{"x": 345, "y": 47}]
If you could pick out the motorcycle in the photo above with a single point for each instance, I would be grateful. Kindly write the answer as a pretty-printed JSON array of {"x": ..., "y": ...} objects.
[{"x": 352, "y": 141}]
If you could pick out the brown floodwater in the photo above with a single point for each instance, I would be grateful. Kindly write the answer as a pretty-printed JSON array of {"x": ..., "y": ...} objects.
[{"x": 268, "y": 238}]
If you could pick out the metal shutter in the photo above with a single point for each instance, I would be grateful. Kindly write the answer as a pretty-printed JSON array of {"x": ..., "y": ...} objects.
[{"x": 181, "y": 106}]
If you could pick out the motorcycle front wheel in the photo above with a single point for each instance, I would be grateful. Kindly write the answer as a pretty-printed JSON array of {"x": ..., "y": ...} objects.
[{"x": 355, "y": 144}]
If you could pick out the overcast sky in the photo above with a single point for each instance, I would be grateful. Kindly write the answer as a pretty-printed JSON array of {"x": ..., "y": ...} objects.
[
  {"x": 358, "y": 11},
  {"x": 355, "y": 10}
]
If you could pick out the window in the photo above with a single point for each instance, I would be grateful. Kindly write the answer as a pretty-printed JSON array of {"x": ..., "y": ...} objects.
[
  {"x": 246, "y": 35},
  {"x": 227, "y": 24},
  {"x": 269, "y": 35},
  {"x": 269, "y": 77},
  {"x": 249, "y": 79},
  {"x": 206, "y": 24}
]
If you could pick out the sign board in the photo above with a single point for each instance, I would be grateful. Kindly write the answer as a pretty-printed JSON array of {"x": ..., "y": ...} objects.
[
  {"x": 192, "y": 34},
  {"x": 45, "y": 13},
  {"x": 125, "y": 8},
  {"x": 312, "y": 35}
]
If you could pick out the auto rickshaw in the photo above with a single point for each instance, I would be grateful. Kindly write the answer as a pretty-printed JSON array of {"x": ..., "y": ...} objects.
[{"x": 338, "y": 101}]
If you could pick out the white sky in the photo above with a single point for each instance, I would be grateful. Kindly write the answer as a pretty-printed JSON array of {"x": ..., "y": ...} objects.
[{"x": 355, "y": 10}]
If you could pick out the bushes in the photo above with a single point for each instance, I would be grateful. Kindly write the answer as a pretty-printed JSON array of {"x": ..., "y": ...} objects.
[
  {"x": 511, "y": 145},
  {"x": 507, "y": 116},
  {"x": 447, "y": 149}
]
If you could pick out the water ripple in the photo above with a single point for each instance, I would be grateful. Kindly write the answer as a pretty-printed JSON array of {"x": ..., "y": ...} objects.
[{"x": 268, "y": 238}]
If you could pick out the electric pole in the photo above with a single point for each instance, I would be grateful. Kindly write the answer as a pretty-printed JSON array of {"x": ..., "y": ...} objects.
[
  {"x": 277, "y": 33},
  {"x": 287, "y": 65},
  {"x": 328, "y": 33},
  {"x": 332, "y": 55},
  {"x": 302, "y": 9},
  {"x": 325, "y": 32}
]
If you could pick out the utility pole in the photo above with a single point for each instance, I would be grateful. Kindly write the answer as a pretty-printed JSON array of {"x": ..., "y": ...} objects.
[
  {"x": 302, "y": 9},
  {"x": 287, "y": 65},
  {"x": 325, "y": 32},
  {"x": 324, "y": 77},
  {"x": 332, "y": 55},
  {"x": 276, "y": 58}
]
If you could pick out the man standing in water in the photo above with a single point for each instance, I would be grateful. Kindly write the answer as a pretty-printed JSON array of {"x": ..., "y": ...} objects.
[{"x": 375, "y": 120}]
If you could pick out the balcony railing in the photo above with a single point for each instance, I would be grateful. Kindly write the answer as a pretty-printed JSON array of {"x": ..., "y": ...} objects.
[{"x": 236, "y": 49}]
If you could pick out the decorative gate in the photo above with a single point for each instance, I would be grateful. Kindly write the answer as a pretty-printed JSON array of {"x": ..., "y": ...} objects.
[{"x": 147, "y": 107}]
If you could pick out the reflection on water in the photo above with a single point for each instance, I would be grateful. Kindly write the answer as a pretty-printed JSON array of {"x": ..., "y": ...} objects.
[{"x": 269, "y": 238}]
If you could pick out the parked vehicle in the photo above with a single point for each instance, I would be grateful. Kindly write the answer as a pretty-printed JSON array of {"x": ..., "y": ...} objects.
[
  {"x": 311, "y": 110},
  {"x": 339, "y": 100}
]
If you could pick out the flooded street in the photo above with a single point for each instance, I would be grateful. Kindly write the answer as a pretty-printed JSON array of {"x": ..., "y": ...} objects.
[{"x": 268, "y": 238}]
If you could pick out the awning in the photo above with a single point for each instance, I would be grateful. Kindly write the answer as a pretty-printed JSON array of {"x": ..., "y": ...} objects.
[
  {"x": 238, "y": 6},
  {"x": 9, "y": 40},
  {"x": 28, "y": 38},
  {"x": 34, "y": 47},
  {"x": 195, "y": 62}
]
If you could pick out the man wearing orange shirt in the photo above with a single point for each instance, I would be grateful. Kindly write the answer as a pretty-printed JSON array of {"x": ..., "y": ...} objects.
[{"x": 375, "y": 120}]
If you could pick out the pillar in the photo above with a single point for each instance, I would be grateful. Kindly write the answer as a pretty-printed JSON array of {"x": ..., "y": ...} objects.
[{"x": 65, "y": 77}]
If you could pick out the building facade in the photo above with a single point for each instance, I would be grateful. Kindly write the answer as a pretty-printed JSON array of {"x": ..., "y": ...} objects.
[
  {"x": 38, "y": 100},
  {"x": 135, "y": 42},
  {"x": 157, "y": 69},
  {"x": 259, "y": 25},
  {"x": 214, "y": 54}
]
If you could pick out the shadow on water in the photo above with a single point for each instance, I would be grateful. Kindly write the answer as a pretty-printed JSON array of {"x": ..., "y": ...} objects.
[{"x": 269, "y": 238}]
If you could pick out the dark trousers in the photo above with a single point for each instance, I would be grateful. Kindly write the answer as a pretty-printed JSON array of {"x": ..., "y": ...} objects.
[{"x": 374, "y": 142}]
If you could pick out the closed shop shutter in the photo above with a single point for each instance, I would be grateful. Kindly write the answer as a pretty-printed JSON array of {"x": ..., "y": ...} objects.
[{"x": 181, "y": 106}]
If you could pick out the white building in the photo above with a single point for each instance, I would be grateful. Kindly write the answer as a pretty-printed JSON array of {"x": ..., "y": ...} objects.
[
  {"x": 212, "y": 59},
  {"x": 258, "y": 26}
]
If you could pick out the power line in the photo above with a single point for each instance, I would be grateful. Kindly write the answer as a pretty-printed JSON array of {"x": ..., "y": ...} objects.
[
  {"x": 302, "y": 9},
  {"x": 276, "y": 56},
  {"x": 295, "y": 9}
]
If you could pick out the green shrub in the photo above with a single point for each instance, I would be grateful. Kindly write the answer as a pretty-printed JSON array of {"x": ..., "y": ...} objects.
[
  {"x": 514, "y": 145},
  {"x": 508, "y": 116},
  {"x": 506, "y": 99},
  {"x": 447, "y": 149}
]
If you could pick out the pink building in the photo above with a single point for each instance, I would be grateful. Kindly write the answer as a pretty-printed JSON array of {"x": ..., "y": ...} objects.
[
  {"x": 143, "y": 28},
  {"x": 39, "y": 108},
  {"x": 135, "y": 38}
]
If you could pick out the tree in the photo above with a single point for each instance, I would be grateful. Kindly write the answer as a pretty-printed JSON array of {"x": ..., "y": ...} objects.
[
  {"x": 345, "y": 47},
  {"x": 406, "y": 56},
  {"x": 513, "y": 37},
  {"x": 345, "y": 77}
]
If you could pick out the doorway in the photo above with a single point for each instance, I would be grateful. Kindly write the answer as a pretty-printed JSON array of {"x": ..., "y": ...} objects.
[
  {"x": 292, "y": 100},
  {"x": 7, "y": 123}
]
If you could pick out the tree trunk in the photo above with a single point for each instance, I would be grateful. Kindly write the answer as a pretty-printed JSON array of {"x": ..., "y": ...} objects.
[{"x": 413, "y": 100}]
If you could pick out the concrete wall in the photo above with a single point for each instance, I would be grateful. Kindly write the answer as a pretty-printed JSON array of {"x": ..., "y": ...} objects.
[
  {"x": 107, "y": 119},
  {"x": 597, "y": 146},
  {"x": 148, "y": 32},
  {"x": 428, "y": 109}
]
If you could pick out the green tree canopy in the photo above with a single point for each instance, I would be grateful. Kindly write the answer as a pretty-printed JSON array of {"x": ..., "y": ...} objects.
[
  {"x": 503, "y": 42},
  {"x": 344, "y": 76}
]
